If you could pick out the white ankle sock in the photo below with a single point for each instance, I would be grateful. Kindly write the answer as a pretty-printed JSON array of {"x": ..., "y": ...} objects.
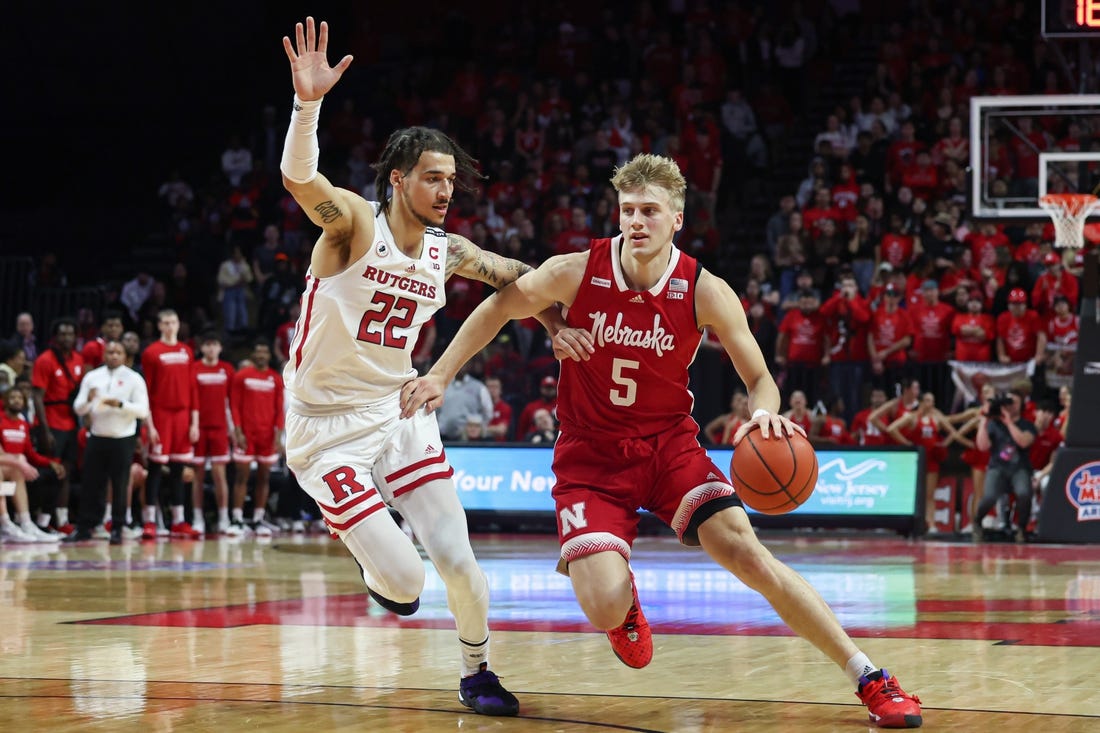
[
  {"x": 859, "y": 666},
  {"x": 473, "y": 655}
]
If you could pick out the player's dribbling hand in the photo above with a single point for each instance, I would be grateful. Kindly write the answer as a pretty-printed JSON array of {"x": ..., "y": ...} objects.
[
  {"x": 426, "y": 392},
  {"x": 573, "y": 343},
  {"x": 309, "y": 68},
  {"x": 770, "y": 425}
]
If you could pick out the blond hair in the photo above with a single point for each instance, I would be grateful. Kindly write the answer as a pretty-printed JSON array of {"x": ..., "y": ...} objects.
[{"x": 646, "y": 170}]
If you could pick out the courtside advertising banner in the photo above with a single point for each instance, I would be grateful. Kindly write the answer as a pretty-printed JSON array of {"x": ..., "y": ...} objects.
[{"x": 850, "y": 482}]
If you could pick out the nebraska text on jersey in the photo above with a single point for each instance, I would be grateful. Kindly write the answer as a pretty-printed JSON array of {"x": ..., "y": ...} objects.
[{"x": 656, "y": 337}]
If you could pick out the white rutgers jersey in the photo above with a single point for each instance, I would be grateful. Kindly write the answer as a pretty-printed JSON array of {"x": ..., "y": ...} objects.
[{"x": 354, "y": 340}]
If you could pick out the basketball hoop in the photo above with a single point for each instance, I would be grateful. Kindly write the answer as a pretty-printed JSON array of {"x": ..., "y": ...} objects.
[{"x": 1069, "y": 211}]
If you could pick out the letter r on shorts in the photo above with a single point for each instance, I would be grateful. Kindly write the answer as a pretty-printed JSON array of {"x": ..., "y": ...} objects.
[{"x": 341, "y": 482}]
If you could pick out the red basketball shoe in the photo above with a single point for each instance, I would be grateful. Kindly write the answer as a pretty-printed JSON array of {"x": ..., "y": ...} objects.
[
  {"x": 184, "y": 531},
  {"x": 888, "y": 706},
  {"x": 632, "y": 642}
]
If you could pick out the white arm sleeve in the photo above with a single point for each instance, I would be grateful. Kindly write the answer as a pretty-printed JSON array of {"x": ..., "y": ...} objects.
[{"x": 300, "y": 152}]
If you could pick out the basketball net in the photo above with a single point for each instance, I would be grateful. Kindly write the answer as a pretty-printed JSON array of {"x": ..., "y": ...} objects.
[{"x": 1069, "y": 211}]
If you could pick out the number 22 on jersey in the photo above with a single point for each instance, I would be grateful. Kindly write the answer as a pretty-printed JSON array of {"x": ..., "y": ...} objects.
[{"x": 395, "y": 313}]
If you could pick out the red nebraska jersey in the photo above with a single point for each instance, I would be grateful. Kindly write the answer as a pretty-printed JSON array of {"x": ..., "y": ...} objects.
[
  {"x": 806, "y": 336},
  {"x": 869, "y": 434},
  {"x": 1019, "y": 335},
  {"x": 167, "y": 371},
  {"x": 256, "y": 399},
  {"x": 931, "y": 330},
  {"x": 15, "y": 439},
  {"x": 970, "y": 348},
  {"x": 210, "y": 387},
  {"x": 887, "y": 329},
  {"x": 636, "y": 384}
]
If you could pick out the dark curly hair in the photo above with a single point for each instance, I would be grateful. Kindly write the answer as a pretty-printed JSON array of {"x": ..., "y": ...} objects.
[{"x": 403, "y": 150}]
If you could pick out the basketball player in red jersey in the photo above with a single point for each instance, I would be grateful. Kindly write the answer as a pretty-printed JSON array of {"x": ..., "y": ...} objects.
[
  {"x": 376, "y": 276},
  {"x": 166, "y": 365},
  {"x": 211, "y": 380},
  {"x": 628, "y": 439},
  {"x": 256, "y": 401}
]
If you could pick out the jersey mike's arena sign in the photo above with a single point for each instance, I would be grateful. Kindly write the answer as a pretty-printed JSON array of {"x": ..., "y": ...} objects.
[{"x": 1083, "y": 491}]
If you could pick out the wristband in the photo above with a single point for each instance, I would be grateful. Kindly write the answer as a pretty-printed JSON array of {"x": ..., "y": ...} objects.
[
  {"x": 300, "y": 152},
  {"x": 758, "y": 413}
]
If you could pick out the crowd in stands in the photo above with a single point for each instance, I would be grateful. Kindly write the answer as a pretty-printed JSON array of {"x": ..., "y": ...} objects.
[{"x": 870, "y": 266}]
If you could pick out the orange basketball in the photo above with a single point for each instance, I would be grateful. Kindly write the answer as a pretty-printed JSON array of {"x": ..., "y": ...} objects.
[{"x": 775, "y": 475}]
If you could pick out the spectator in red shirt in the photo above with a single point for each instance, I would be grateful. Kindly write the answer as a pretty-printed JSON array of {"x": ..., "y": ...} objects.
[
  {"x": 889, "y": 336},
  {"x": 256, "y": 402},
  {"x": 922, "y": 177},
  {"x": 166, "y": 365},
  {"x": 110, "y": 329},
  {"x": 799, "y": 413},
  {"x": 56, "y": 379},
  {"x": 821, "y": 209},
  {"x": 803, "y": 345},
  {"x": 548, "y": 400},
  {"x": 284, "y": 335},
  {"x": 847, "y": 314},
  {"x": 1047, "y": 441},
  {"x": 896, "y": 247},
  {"x": 578, "y": 236},
  {"x": 845, "y": 194},
  {"x": 1052, "y": 282},
  {"x": 974, "y": 331},
  {"x": 211, "y": 380},
  {"x": 931, "y": 320},
  {"x": 862, "y": 430},
  {"x": 1063, "y": 329},
  {"x": 500, "y": 425},
  {"x": 721, "y": 429},
  {"x": 1020, "y": 333},
  {"x": 983, "y": 245},
  {"x": 902, "y": 154},
  {"x": 830, "y": 429}
]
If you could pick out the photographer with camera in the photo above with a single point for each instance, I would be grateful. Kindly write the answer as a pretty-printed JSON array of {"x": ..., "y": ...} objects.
[{"x": 1007, "y": 437}]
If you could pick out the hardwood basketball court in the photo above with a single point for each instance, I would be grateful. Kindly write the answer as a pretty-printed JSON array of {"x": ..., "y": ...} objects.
[{"x": 278, "y": 636}]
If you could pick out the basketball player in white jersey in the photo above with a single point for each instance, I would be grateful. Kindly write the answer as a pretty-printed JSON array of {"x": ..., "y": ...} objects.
[
  {"x": 376, "y": 276},
  {"x": 627, "y": 436}
]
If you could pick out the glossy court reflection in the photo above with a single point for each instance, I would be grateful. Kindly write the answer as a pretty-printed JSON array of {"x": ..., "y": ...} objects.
[{"x": 227, "y": 635}]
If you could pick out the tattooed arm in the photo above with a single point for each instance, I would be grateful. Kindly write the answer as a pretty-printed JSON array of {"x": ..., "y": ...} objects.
[
  {"x": 346, "y": 220},
  {"x": 466, "y": 259}
]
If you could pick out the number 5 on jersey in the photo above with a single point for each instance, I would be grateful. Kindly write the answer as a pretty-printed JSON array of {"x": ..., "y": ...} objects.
[{"x": 626, "y": 396}]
